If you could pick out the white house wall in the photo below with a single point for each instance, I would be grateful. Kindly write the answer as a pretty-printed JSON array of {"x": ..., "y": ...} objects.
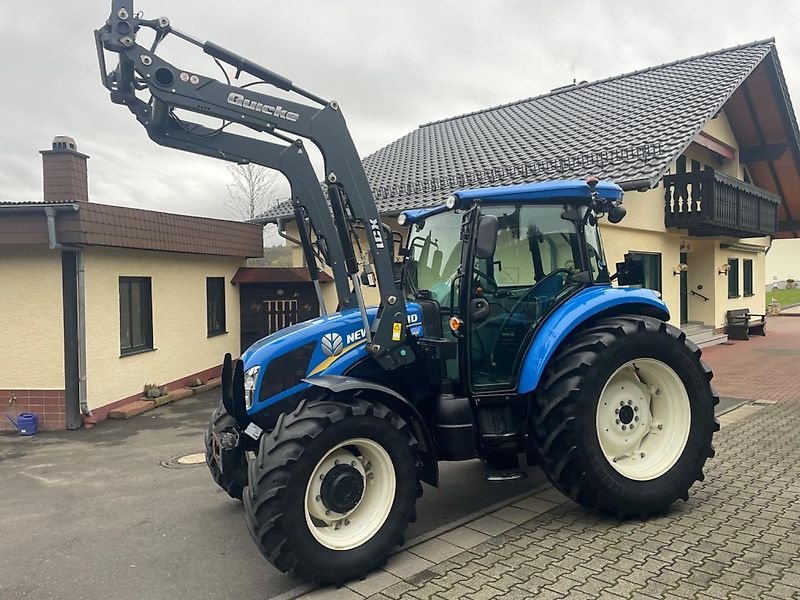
[
  {"x": 31, "y": 322},
  {"x": 182, "y": 347}
]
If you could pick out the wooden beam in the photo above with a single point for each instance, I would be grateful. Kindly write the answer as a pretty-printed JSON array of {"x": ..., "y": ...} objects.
[
  {"x": 766, "y": 153},
  {"x": 715, "y": 145}
]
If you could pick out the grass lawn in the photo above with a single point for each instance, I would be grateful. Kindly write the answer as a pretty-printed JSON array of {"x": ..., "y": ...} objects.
[{"x": 784, "y": 297}]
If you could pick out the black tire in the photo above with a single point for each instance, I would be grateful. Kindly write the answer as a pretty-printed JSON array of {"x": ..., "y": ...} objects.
[
  {"x": 233, "y": 483},
  {"x": 564, "y": 429},
  {"x": 275, "y": 497}
]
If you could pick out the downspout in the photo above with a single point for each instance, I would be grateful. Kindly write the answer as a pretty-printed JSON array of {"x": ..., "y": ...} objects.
[
  {"x": 82, "y": 393},
  {"x": 50, "y": 212},
  {"x": 53, "y": 243}
]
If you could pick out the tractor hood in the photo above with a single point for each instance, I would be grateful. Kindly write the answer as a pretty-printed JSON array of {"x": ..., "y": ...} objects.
[{"x": 325, "y": 345}]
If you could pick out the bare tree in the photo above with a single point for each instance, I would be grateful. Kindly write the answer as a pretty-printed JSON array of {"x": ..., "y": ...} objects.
[{"x": 250, "y": 191}]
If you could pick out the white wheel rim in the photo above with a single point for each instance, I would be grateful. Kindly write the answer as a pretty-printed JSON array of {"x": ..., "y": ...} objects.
[
  {"x": 643, "y": 419},
  {"x": 345, "y": 531}
]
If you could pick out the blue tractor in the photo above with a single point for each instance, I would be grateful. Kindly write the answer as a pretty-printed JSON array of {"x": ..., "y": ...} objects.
[{"x": 499, "y": 336}]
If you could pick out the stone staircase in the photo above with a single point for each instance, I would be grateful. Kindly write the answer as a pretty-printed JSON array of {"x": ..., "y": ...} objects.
[{"x": 703, "y": 335}]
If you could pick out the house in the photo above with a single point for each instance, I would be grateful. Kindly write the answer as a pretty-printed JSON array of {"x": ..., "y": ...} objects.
[
  {"x": 100, "y": 300},
  {"x": 707, "y": 149}
]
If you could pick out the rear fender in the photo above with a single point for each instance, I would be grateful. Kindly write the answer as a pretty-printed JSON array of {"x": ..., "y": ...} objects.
[
  {"x": 397, "y": 403},
  {"x": 588, "y": 304}
]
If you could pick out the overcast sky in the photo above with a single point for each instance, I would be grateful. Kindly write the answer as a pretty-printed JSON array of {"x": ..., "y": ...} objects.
[{"x": 391, "y": 65}]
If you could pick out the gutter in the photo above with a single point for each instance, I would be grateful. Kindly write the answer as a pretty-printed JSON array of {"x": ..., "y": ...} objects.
[{"x": 636, "y": 185}]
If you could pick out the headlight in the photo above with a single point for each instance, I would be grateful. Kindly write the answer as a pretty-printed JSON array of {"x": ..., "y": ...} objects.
[
  {"x": 401, "y": 220},
  {"x": 250, "y": 377},
  {"x": 450, "y": 203}
]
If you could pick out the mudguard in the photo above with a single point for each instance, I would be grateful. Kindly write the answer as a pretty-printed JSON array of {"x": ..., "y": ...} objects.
[
  {"x": 586, "y": 304},
  {"x": 396, "y": 402}
]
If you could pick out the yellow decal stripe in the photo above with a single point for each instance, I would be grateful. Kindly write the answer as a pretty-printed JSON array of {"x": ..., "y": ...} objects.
[{"x": 327, "y": 362}]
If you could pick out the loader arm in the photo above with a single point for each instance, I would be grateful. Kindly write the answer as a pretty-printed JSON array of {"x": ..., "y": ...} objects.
[
  {"x": 293, "y": 162},
  {"x": 322, "y": 122}
]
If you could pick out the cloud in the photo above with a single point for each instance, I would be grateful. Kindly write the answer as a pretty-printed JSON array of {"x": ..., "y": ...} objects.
[{"x": 391, "y": 65}]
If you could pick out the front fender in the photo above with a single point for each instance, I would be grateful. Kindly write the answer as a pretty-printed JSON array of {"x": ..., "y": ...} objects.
[
  {"x": 589, "y": 303},
  {"x": 397, "y": 403}
]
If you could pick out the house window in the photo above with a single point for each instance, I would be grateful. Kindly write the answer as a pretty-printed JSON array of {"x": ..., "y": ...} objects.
[
  {"x": 651, "y": 269},
  {"x": 215, "y": 305},
  {"x": 135, "y": 315},
  {"x": 733, "y": 278},
  {"x": 747, "y": 275}
]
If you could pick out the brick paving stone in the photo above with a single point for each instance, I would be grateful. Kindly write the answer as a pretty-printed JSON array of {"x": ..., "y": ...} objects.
[
  {"x": 513, "y": 514},
  {"x": 464, "y": 537},
  {"x": 374, "y": 583},
  {"x": 490, "y": 525},
  {"x": 436, "y": 550},
  {"x": 405, "y": 564}
]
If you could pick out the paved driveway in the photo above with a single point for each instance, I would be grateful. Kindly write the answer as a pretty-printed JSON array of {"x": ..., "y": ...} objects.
[{"x": 92, "y": 514}]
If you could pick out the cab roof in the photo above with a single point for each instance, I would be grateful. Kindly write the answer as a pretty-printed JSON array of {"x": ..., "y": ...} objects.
[
  {"x": 544, "y": 192},
  {"x": 541, "y": 193}
]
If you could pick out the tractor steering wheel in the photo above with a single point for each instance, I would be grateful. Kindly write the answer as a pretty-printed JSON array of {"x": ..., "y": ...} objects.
[
  {"x": 536, "y": 285},
  {"x": 525, "y": 296}
]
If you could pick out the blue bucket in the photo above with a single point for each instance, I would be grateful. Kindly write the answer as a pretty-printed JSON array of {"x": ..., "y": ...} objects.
[{"x": 26, "y": 423}]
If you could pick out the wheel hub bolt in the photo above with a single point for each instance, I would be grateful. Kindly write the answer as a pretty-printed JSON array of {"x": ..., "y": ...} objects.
[
  {"x": 642, "y": 455},
  {"x": 347, "y": 521},
  {"x": 636, "y": 408},
  {"x": 321, "y": 477},
  {"x": 617, "y": 421},
  {"x": 623, "y": 427},
  {"x": 318, "y": 498},
  {"x": 327, "y": 513},
  {"x": 661, "y": 427},
  {"x": 336, "y": 462},
  {"x": 636, "y": 418},
  {"x": 621, "y": 403},
  {"x": 630, "y": 402},
  {"x": 616, "y": 411},
  {"x": 352, "y": 463}
]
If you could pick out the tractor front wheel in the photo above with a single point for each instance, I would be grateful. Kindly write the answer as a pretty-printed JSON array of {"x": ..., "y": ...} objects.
[
  {"x": 625, "y": 417},
  {"x": 332, "y": 489}
]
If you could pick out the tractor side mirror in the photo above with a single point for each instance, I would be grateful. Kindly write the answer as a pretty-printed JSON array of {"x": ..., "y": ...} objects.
[
  {"x": 486, "y": 239},
  {"x": 616, "y": 213}
]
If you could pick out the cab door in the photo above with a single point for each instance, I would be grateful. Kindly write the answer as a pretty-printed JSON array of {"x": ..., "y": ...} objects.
[{"x": 507, "y": 294}]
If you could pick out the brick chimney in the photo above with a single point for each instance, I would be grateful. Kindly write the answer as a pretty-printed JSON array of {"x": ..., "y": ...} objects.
[{"x": 64, "y": 171}]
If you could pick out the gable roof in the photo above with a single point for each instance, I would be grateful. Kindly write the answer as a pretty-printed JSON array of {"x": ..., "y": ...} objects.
[{"x": 627, "y": 129}]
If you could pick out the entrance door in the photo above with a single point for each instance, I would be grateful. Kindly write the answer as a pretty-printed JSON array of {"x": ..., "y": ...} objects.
[{"x": 684, "y": 290}]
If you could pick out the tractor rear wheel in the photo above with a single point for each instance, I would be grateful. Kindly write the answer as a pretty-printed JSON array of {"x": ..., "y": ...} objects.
[
  {"x": 233, "y": 482},
  {"x": 625, "y": 416},
  {"x": 332, "y": 489}
]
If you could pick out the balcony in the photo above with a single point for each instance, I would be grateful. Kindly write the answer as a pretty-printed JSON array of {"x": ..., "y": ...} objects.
[{"x": 707, "y": 203}]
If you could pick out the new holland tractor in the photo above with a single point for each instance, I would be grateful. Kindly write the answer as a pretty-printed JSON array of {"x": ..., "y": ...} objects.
[{"x": 498, "y": 336}]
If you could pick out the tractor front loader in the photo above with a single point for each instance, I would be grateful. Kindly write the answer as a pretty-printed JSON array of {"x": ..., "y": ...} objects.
[{"x": 503, "y": 340}]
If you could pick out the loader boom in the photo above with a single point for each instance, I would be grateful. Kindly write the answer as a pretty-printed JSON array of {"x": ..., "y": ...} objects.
[{"x": 349, "y": 197}]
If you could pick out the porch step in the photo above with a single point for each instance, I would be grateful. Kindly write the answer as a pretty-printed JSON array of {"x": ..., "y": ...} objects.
[
  {"x": 692, "y": 327},
  {"x": 703, "y": 335}
]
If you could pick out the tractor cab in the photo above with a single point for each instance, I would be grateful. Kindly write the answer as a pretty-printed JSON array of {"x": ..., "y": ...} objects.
[{"x": 490, "y": 267}]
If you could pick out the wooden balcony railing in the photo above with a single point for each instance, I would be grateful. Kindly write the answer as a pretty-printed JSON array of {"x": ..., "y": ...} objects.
[{"x": 708, "y": 203}]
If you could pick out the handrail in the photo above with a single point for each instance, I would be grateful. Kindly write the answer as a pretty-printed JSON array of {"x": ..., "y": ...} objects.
[{"x": 698, "y": 294}]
